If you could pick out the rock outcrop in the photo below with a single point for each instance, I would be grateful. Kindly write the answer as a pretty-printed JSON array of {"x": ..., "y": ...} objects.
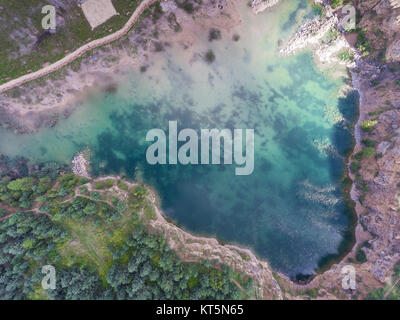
[
  {"x": 261, "y": 5},
  {"x": 81, "y": 165}
]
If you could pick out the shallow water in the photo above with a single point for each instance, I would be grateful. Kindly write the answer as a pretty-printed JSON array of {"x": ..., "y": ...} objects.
[{"x": 291, "y": 209}]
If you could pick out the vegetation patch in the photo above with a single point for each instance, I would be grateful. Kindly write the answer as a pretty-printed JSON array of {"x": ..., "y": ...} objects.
[
  {"x": 210, "y": 56},
  {"x": 368, "y": 125},
  {"x": 104, "y": 184},
  {"x": 346, "y": 55},
  {"x": 101, "y": 248}
]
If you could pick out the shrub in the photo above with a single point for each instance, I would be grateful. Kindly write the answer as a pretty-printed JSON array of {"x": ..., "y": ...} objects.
[
  {"x": 122, "y": 185},
  {"x": 378, "y": 155},
  {"x": 186, "y": 6},
  {"x": 355, "y": 166},
  {"x": 363, "y": 44},
  {"x": 210, "y": 56},
  {"x": 158, "y": 46},
  {"x": 336, "y": 3},
  {"x": 368, "y": 125},
  {"x": 83, "y": 190},
  {"x": 95, "y": 196},
  {"x": 24, "y": 184},
  {"x": 368, "y": 142},
  {"x": 375, "y": 82},
  {"x": 346, "y": 55},
  {"x": 360, "y": 255},
  {"x": 364, "y": 153},
  {"x": 214, "y": 34},
  {"x": 318, "y": 9},
  {"x": 104, "y": 184}
]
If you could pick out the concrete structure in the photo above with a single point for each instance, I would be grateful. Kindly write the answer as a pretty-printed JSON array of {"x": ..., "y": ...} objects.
[{"x": 98, "y": 11}]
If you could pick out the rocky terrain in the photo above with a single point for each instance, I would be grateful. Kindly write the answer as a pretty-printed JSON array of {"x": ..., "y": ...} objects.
[
  {"x": 374, "y": 165},
  {"x": 381, "y": 21}
]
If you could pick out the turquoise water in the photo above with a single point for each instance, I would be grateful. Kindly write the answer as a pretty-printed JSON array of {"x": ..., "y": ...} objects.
[{"x": 291, "y": 209}]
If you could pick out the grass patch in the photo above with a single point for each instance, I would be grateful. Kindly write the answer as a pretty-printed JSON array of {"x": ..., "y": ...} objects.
[
  {"x": 104, "y": 184},
  {"x": 360, "y": 255},
  {"x": 363, "y": 44},
  {"x": 368, "y": 125},
  {"x": 336, "y": 3},
  {"x": 346, "y": 55}
]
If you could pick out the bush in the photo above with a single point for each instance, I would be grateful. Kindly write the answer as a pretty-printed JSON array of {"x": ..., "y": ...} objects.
[
  {"x": 346, "y": 55},
  {"x": 368, "y": 142},
  {"x": 336, "y": 3},
  {"x": 318, "y": 9},
  {"x": 95, "y": 196},
  {"x": 122, "y": 185},
  {"x": 83, "y": 190},
  {"x": 368, "y": 125},
  {"x": 24, "y": 184},
  {"x": 214, "y": 34},
  {"x": 360, "y": 255},
  {"x": 210, "y": 56},
  {"x": 363, "y": 44},
  {"x": 104, "y": 184},
  {"x": 375, "y": 82},
  {"x": 186, "y": 6},
  {"x": 355, "y": 166},
  {"x": 365, "y": 153}
]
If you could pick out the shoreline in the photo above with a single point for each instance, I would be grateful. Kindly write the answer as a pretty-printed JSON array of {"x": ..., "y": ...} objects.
[
  {"x": 324, "y": 275},
  {"x": 309, "y": 38},
  {"x": 191, "y": 247},
  {"x": 319, "y": 270},
  {"x": 376, "y": 233}
]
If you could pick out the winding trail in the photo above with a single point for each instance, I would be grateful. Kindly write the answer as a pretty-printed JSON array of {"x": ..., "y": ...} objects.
[{"x": 80, "y": 51}]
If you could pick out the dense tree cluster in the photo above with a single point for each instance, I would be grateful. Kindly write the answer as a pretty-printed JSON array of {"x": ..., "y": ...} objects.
[
  {"x": 21, "y": 192},
  {"x": 26, "y": 240},
  {"x": 79, "y": 283},
  {"x": 140, "y": 265},
  {"x": 21, "y": 183},
  {"x": 68, "y": 183},
  {"x": 83, "y": 209},
  {"x": 153, "y": 271},
  {"x": 143, "y": 267}
]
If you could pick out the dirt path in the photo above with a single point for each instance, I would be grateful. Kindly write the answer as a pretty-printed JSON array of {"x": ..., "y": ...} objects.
[{"x": 80, "y": 51}]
